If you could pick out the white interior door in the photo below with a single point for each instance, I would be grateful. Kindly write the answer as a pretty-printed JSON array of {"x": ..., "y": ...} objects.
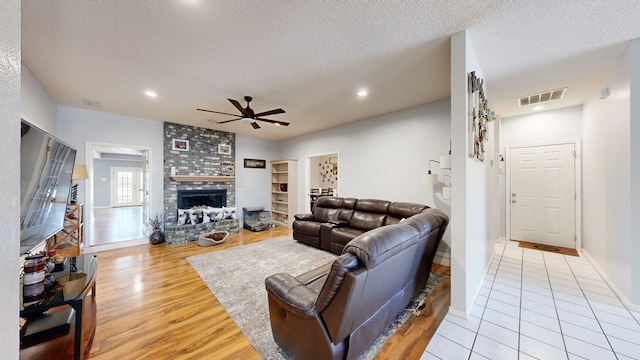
[
  {"x": 542, "y": 194},
  {"x": 128, "y": 186}
]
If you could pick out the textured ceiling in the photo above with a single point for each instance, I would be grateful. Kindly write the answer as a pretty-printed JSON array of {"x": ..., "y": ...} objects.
[{"x": 311, "y": 57}]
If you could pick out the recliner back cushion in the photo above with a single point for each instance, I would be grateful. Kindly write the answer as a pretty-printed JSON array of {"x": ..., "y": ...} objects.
[
  {"x": 327, "y": 209},
  {"x": 376, "y": 246},
  {"x": 369, "y": 214},
  {"x": 348, "y": 204},
  {"x": 402, "y": 210}
]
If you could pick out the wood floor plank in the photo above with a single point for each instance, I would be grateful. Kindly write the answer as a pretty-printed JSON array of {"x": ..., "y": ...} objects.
[{"x": 153, "y": 305}]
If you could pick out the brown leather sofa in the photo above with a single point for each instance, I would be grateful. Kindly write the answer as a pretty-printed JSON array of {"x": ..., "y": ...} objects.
[
  {"x": 336, "y": 220},
  {"x": 337, "y": 310}
]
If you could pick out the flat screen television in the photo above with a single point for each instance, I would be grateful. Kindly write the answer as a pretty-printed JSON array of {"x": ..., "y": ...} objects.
[{"x": 46, "y": 167}]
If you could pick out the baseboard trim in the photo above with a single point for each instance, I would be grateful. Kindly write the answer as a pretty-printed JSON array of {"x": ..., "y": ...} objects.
[
  {"x": 458, "y": 313},
  {"x": 626, "y": 302},
  {"x": 115, "y": 245},
  {"x": 442, "y": 258}
]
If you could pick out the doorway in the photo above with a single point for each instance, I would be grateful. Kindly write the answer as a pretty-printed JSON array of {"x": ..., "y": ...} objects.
[
  {"x": 127, "y": 186},
  {"x": 117, "y": 196},
  {"x": 542, "y": 194},
  {"x": 322, "y": 177}
]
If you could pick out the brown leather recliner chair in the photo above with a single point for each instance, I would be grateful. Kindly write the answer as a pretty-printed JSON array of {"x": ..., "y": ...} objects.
[{"x": 337, "y": 310}]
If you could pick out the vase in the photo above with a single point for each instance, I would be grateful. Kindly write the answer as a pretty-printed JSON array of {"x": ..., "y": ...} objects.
[{"x": 156, "y": 237}]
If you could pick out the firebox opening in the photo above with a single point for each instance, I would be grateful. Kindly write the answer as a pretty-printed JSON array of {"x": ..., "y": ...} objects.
[{"x": 214, "y": 197}]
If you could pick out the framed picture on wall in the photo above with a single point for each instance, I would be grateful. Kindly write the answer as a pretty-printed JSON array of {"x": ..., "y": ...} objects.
[
  {"x": 179, "y": 144},
  {"x": 224, "y": 149},
  {"x": 254, "y": 163}
]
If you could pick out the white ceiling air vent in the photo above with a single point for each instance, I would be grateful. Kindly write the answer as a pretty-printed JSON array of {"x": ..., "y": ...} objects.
[
  {"x": 541, "y": 97},
  {"x": 92, "y": 103}
]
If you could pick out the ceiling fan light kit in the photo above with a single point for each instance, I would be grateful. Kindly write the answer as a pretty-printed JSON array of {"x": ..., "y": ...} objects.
[{"x": 248, "y": 115}]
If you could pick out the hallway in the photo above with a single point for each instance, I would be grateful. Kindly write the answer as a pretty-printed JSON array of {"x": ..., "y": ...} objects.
[
  {"x": 540, "y": 305},
  {"x": 117, "y": 224}
]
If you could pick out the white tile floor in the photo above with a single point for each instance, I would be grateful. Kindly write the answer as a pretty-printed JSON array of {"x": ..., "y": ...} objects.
[{"x": 540, "y": 305}]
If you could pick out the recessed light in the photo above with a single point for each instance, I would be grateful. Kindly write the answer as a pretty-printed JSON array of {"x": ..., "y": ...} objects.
[
  {"x": 150, "y": 93},
  {"x": 539, "y": 107},
  {"x": 362, "y": 93}
]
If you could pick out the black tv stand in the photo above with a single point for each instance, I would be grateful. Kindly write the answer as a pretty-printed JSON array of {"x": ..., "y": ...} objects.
[{"x": 70, "y": 321}]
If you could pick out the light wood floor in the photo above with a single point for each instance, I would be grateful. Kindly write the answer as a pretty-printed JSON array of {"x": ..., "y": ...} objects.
[
  {"x": 117, "y": 224},
  {"x": 153, "y": 305}
]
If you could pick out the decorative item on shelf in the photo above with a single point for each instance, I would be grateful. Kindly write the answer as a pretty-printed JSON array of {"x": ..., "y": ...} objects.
[
  {"x": 79, "y": 173},
  {"x": 157, "y": 236},
  {"x": 283, "y": 187},
  {"x": 228, "y": 168}
]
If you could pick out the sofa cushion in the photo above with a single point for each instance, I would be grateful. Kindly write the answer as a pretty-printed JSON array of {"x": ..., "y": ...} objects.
[
  {"x": 402, "y": 210},
  {"x": 340, "y": 236},
  {"x": 375, "y": 246},
  {"x": 348, "y": 204},
  {"x": 369, "y": 214},
  {"x": 327, "y": 209}
]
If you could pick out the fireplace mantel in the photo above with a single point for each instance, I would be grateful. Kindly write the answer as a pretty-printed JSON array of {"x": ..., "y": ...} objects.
[{"x": 195, "y": 178}]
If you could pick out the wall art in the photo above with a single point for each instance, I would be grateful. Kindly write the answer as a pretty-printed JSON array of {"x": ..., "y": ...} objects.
[
  {"x": 224, "y": 149},
  {"x": 179, "y": 144},
  {"x": 479, "y": 116},
  {"x": 255, "y": 163}
]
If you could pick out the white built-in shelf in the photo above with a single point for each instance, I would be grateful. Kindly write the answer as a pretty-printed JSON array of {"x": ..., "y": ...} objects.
[{"x": 202, "y": 178}]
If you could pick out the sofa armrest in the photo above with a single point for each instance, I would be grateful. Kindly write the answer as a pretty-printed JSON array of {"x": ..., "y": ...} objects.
[
  {"x": 295, "y": 296},
  {"x": 305, "y": 217}
]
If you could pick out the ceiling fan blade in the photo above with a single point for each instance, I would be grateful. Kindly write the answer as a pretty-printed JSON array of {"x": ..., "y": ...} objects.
[
  {"x": 255, "y": 125},
  {"x": 239, "y": 107},
  {"x": 226, "y": 121},
  {"x": 283, "y": 123},
  {"x": 271, "y": 112},
  {"x": 217, "y": 112}
]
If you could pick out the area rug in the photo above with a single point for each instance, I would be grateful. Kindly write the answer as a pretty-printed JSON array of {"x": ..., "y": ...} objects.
[
  {"x": 236, "y": 278},
  {"x": 549, "y": 248}
]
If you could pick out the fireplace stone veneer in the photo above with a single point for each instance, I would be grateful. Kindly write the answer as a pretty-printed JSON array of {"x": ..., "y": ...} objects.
[{"x": 202, "y": 158}]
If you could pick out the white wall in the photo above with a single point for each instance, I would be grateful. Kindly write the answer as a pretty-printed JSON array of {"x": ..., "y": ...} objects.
[
  {"x": 37, "y": 107},
  {"x": 474, "y": 188},
  {"x": 9, "y": 185},
  {"x": 78, "y": 126},
  {"x": 533, "y": 129},
  {"x": 611, "y": 175},
  {"x": 253, "y": 185},
  {"x": 382, "y": 157}
]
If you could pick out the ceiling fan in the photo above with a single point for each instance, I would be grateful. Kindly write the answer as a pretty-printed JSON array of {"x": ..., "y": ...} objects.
[{"x": 247, "y": 114}]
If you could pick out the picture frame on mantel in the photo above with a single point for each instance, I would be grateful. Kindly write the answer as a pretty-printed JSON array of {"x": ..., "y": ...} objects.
[
  {"x": 179, "y": 145},
  {"x": 224, "y": 149},
  {"x": 228, "y": 168},
  {"x": 255, "y": 163}
]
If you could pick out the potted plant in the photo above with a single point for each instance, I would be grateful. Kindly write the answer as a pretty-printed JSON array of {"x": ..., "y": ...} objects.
[{"x": 157, "y": 236}]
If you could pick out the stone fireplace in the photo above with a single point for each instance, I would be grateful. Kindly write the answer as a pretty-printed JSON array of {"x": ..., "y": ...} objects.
[{"x": 193, "y": 177}]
